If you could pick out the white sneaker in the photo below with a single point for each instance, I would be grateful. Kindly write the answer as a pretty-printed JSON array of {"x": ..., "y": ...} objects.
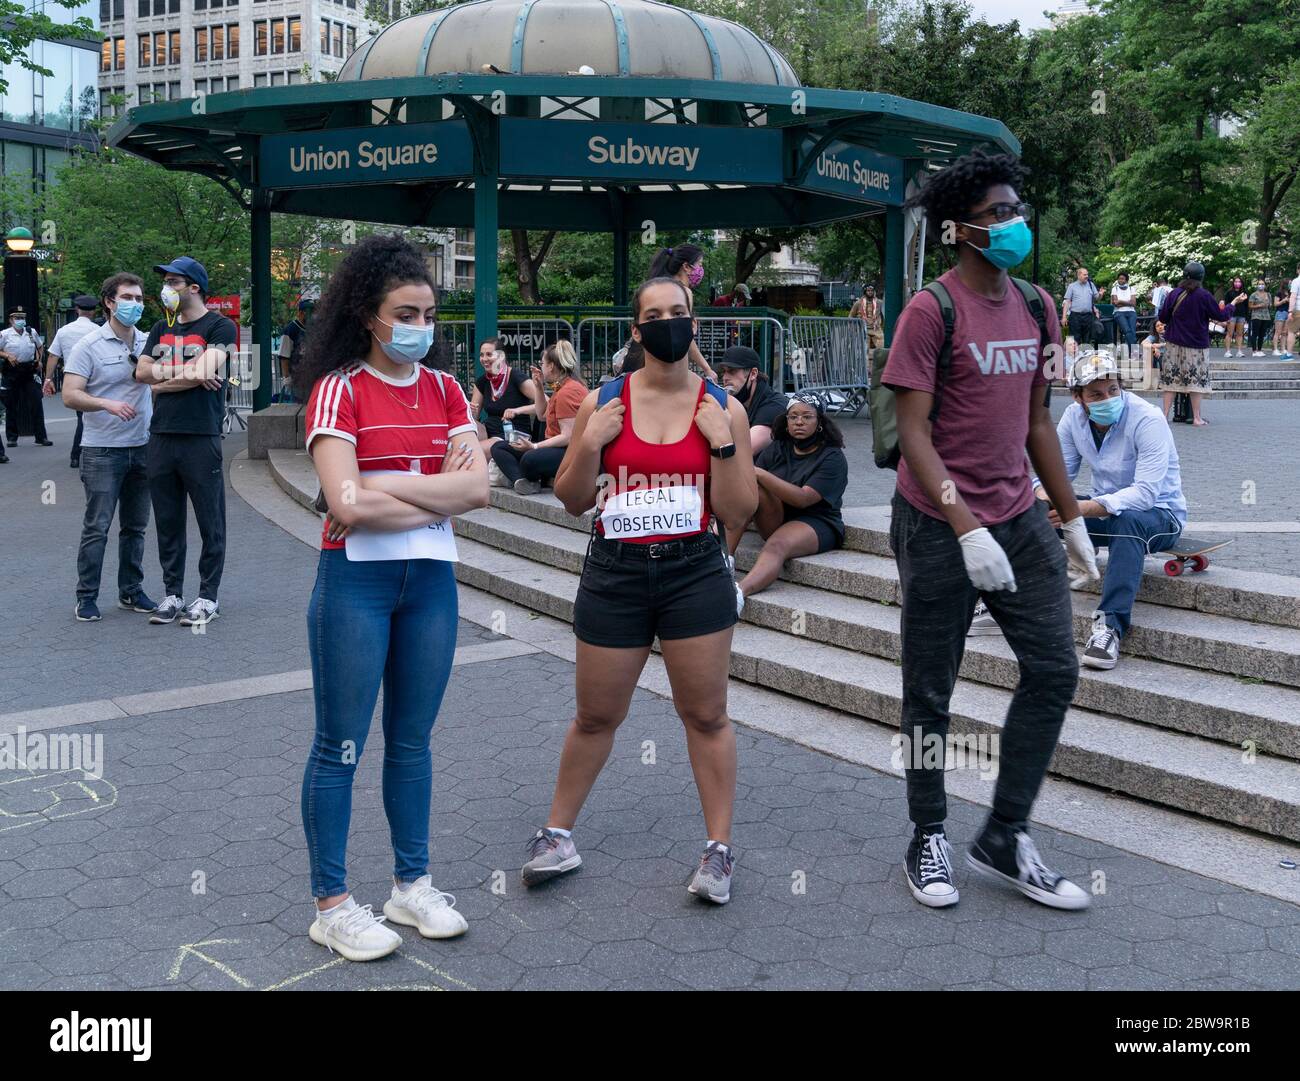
[
  {"x": 1241, "y": 352},
  {"x": 1102, "y": 649},
  {"x": 1277, "y": 352},
  {"x": 354, "y": 932},
  {"x": 1227, "y": 354},
  {"x": 1257, "y": 353},
  {"x": 423, "y": 906},
  {"x": 983, "y": 622},
  {"x": 199, "y": 612}
]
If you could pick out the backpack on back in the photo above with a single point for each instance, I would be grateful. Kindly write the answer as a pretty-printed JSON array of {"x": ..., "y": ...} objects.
[
  {"x": 614, "y": 388},
  {"x": 884, "y": 420}
]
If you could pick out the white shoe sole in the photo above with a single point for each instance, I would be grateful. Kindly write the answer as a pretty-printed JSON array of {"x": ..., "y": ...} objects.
[
  {"x": 704, "y": 896},
  {"x": 1104, "y": 665},
  {"x": 85, "y": 619},
  {"x": 407, "y": 919},
  {"x": 161, "y": 621},
  {"x": 318, "y": 936},
  {"x": 187, "y": 622},
  {"x": 930, "y": 900},
  {"x": 539, "y": 875},
  {"x": 1050, "y": 900}
]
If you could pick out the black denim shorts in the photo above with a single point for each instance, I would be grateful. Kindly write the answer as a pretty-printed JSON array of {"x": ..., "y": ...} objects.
[{"x": 629, "y": 593}]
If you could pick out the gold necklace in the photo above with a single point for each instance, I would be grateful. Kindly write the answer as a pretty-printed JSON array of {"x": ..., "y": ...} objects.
[{"x": 399, "y": 400}]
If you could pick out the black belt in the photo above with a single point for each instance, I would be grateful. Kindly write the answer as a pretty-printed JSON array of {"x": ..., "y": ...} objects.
[{"x": 675, "y": 549}]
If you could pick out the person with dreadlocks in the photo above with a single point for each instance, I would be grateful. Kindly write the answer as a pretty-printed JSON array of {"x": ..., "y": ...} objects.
[{"x": 966, "y": 525}]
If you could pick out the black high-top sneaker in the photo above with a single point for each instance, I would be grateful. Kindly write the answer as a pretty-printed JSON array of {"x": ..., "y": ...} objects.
[
  {"x": 928, "y": 866},
  {"x": 1009, "y": 856}
]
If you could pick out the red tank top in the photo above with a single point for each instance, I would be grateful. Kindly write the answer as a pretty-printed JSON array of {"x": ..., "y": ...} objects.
[{"x": 654, "y": 491}]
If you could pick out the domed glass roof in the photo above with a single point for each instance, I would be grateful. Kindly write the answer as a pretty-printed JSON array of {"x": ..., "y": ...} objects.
[{"x": 557, "y": 37}]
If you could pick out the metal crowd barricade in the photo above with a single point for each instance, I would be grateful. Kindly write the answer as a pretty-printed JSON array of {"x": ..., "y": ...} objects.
[
  {"x": 830, "y": 356},
  {"x": 600, "y": 337}
]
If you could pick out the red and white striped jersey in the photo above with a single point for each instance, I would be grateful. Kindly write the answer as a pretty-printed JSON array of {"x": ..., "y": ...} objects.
[{"x": 401, "y": 424}]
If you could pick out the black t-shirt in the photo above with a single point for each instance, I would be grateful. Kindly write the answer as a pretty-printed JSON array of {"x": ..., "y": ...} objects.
[
  {"x": 196, "y": 411},
  {"x": 1241, "y": 309},
  {"x": 294, "y": 332},
  {"x": 765, "y": 403},
  {"x": 512, "y": 397},
  {"x": 825, "y": 471}
]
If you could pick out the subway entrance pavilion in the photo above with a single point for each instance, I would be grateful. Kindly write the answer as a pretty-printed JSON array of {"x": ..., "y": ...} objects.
[{"x": 484, "y": 115}]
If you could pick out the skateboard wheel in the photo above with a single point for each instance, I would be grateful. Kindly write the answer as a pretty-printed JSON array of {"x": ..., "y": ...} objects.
[
  {"x": 1199, "y": 563},
  {"x": 1174, "y": 568}
]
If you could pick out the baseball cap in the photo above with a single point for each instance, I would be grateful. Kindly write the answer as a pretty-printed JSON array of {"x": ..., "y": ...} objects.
[
  {"x": 191, "y": 268},
  {"x": 1093, "y": 365},
  {"x": 739, "y": 356}
]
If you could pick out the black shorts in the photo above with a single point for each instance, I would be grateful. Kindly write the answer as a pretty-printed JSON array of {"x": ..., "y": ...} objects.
[
  {"x": 827, "y": 538},
  {"x": 629, "y": 593}
]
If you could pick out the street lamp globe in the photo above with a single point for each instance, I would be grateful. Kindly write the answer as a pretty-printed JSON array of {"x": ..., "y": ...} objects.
[{"x": 19, "y": 240}]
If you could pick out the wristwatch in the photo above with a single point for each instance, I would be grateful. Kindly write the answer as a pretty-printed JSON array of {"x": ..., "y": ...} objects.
[{"x": 724, "y": 451}]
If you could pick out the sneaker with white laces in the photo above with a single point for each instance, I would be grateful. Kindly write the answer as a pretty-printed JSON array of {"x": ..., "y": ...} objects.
[
  {"x": 171, "y": 607},
  {"x": 982, "y": 623},
  {"x": 1011, "y": 857},
  {"x": 354, "y": 931},
  {"x": 928, "y": 867},
  {"x": 549, "y": 854},
  {"x": 712, "y": 879},
  {"x": 1102, "y": 648},
  {"x": 200, "y": 612},
  {"x": 423, "y": 906}
]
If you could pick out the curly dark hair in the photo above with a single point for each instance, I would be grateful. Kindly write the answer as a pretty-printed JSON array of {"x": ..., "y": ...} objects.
[
  {"x": 949, "y": 195},
  {"x": 831, "y": 434},
  {"x": 371, "y": 270},
  {"x": 669, "y": 261}
]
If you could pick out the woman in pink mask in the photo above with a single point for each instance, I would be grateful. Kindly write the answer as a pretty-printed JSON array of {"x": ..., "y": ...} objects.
[{"x": 685, "y": 263}]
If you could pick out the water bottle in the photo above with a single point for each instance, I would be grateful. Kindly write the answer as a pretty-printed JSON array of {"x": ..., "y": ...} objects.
[{"x": 507, "y": 432}]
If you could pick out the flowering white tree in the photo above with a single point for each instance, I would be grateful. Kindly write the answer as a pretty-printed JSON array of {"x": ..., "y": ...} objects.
[{"x": 1170, "y": 249}]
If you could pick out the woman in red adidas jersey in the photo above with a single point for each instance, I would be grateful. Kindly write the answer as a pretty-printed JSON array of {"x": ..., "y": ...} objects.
[
  {"x": 396, "y": 451},
  {"x": 659, "y": 461}
]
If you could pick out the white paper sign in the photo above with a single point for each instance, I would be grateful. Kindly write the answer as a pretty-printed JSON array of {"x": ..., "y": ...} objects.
[
  {"x": 433, "y": 541},
  {"x": 672, "y": 510}
]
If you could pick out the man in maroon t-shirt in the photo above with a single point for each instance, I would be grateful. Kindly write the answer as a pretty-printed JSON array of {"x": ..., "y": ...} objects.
[{"x": 966, "y": 525}]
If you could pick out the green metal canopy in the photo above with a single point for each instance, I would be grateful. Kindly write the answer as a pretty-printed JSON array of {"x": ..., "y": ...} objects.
[{"x": 580, "y": 115}]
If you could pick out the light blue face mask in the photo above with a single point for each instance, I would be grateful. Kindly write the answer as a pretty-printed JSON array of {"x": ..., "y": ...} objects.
[
  {"x": 1009, "y": 242},
  {"x": 20, "y": 324},
  {"x": 410, "y": 343},
  {"x": 1108, "y": 412},
  {"x": 128, "y": 312}
]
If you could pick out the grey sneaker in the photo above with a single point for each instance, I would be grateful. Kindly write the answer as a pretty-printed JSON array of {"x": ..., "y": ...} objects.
[
  {"x": 1102, "y": 649},
  {"x": 524, "y": 486},
  {"x": 549, "y": 854},
  {"x": 712, "y": 881},
  {"x": 983, "y": 622},
  {"x": 200, "y": 612},
  {"x": 171, "y": 607}
]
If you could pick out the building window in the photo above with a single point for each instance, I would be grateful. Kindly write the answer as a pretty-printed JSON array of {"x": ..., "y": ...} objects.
[
  {"x": 259, "y": 38},
  {"x": 160, "y": 49},
  {"x": 338, "y": 39},
  {"x": 277, "y": 36},
  {"x": 176, "y": 47},
  {"x": 218, "y": 43},
  {"x": 324, "y": 37},
  {"x": 232, "y": 42},
  {"x": 200, "y": 44},
  {"x": 277, "y": 78},
  {"x": 142, "y": 95},
  {"x": 119, "y": 54},
  {"x": 174, "y": 91},
  {"x": 106, "y": 55},
  {"x": 119, "y": 9},
  {"x": 352, "y": 4},
  {"x": 292, "y": 77},
  {"x": 103, "y": 102},
  {"x": 232, "y": 82},
  {"x": 352, "y": 39},
  {"x": 200, "y": 5},
  {"x": 160, "y": 7},
  {"x": 259, "y": 79},
  {"x": 104, "y": 9},
  {"x": 143, "y": 9},
  {"x": 146, "y": 50},
  {"x": 174, "y": 6},
  {"x": 295, "y": 35},
  {"x": 216, "y": 3}
]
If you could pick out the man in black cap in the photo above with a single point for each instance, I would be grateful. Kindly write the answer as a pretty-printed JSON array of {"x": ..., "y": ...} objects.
[
  {"x": 291, "y": 339},
  {"x": 60, "y": 349},
  {"x": 185, "y": 360},
  {"x": 739, "y": 373},
  {"x": 20, "y": 350}
]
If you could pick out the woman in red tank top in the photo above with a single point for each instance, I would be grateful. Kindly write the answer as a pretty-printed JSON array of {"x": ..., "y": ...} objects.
[{"x": 659, "y": 463}]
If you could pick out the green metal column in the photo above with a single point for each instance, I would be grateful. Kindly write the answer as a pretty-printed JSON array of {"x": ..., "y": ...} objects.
[
  {"x": 893, "y": 269},
  {"x": 486, "y": 218},
  {"x": 620, "y": 266},
  {"x": 262, "y": 314}
]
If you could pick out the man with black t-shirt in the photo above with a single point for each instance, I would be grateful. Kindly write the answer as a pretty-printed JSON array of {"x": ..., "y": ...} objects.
[
  {"x": 739, "y": 373},
  {"x": 185, "y": 361}
]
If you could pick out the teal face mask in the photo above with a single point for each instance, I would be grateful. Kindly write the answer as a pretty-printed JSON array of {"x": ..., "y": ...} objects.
[
  {"x": 1108, "y": 412},
  {"x": 1009, "y": 242},
  {"x": 410, "y": 342},
  {"x": 128, "y": 312}
]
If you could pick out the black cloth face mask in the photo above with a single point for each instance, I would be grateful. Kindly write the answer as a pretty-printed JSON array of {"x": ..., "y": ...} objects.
[
  {"x": 668, "y": 340},
  {"x": 808, "y": 440}
]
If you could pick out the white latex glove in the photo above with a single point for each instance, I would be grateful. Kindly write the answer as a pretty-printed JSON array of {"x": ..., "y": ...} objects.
[
  {"x": 986, "y": 562},
  {"x": 1080, "y": 553}
]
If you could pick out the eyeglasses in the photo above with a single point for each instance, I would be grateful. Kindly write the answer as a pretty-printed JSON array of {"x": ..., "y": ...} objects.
[{"x": 1001, "y": 212}]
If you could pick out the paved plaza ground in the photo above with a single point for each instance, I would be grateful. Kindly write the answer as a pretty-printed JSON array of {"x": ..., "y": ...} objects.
[{"x": 99, "y": 889}]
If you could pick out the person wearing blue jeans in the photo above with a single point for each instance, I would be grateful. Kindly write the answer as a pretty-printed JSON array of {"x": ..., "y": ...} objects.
[
  {"x": 1137, "y": 505},
  {"x": 1124, "y": 297}
]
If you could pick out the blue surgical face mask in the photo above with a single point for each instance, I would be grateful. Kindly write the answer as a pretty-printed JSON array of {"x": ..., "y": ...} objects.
[
  {"x": 1009, "y": 242},
  {"x": 410, "y": 344},
  {"x": 1108, "y": 412},
  {"x": 20, "y": 324},
  {"x": 128, "y": 312}
]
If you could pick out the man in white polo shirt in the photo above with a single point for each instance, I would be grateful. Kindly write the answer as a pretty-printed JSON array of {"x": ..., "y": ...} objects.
[
  {"x": 97, "y": 381},
  {"x": 61, "y": 348}
]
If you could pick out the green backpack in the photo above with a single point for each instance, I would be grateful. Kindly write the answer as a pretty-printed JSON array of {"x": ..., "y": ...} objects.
[{"x": 884, "y": 422}]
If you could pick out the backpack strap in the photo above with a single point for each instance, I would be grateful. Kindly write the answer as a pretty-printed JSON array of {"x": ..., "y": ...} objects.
[
  {"x": 1034, "y": 300},
  {"x": 940, "y": 294},
  {"x": 609, "y": 391}
]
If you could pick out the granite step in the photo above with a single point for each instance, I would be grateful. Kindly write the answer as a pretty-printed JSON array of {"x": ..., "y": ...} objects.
[{"x": 1169, "y": 768}]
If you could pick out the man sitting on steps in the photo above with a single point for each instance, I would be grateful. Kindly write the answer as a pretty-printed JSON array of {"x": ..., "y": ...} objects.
[{"x": 1137, "y": 505}]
